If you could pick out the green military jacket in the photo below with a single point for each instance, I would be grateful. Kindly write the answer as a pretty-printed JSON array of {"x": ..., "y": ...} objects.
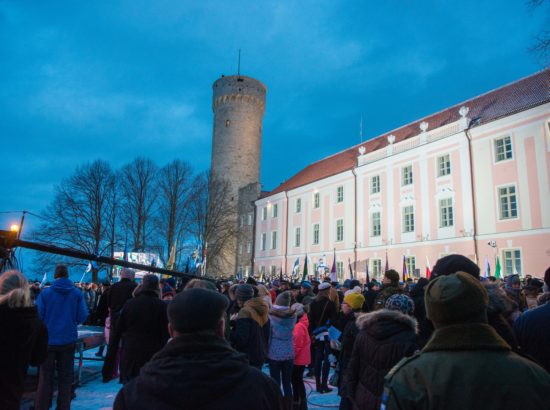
[{"x": 465, "y": 367}]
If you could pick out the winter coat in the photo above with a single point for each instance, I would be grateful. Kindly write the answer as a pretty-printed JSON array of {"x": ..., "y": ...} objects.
[
  {"x": 533, "y": 332},
  {"x": 383, "y": 295},
  {"x": 252, "y": 330},
  {"x": 467, "y": 366},
  {"x": 199, "y": 371},
  {"x": 119, "y": 293},
  {"x": 62, "y": 308},
  {"x": 349, "y": 334},
  {"x": 322, "y": 311},
  {"x": 385, "y": 337},
  {"x": 302, "y": 342},
  {"x": 307, "y": 298},
  {"x": 23, "y": 342},
  {"x": 370, "y": 296},
  {"x": 143, "y": 328},
  {"x": 281, "y": 342},
  {"x": 499, "y": 315},
  {"x": 102, "y": 310}
]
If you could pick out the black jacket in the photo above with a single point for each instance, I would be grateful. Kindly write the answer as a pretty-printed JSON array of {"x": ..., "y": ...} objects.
[
  {"x": 143, "y": 328},
  {"x": 23, "y": 342},
  {"x": 533, "y": 331},
  {"x": 119, "y": 293},
  {"x": 199, "y": 371},
  {"x": 385, "y": 337},
  {"x": 321, "y": 311}
]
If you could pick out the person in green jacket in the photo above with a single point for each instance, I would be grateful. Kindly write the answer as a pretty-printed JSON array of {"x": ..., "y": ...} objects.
[{"x": 466, "y": 364}]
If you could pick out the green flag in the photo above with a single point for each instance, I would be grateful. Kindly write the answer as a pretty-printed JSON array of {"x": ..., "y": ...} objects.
[
  {"x": 497, "y": 268},
  {"x": 304, "y": 276}
]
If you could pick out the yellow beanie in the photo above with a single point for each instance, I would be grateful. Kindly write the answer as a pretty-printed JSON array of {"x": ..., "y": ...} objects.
[{"x": 354, "y": 300}]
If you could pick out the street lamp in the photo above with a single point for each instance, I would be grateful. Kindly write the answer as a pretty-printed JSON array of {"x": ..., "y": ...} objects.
[{"x": 14, "y": 228}]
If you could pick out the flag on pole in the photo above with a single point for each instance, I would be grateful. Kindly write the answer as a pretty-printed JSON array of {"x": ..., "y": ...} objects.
[
  {"x": 487, "y": 272},
  {"x": 428, "y": 270},
  {"x": 44, "y": 278},
  {"x": 404, "y": 269},
  {"x": 350, "y": 269},
  {"x": 304, "y": 275},
  {"x": 333, "y": 269},
  {"x": 295, "y": 268},
  {"x": 83, "y": 275},
  {"x": 497, "y": 268},
  {"x": 387, "y": 267},
  {"x": 367, "y": 271}
]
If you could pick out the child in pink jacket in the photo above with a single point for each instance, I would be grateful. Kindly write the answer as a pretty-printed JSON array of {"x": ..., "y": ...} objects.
[{"x": 302, "y": 356}]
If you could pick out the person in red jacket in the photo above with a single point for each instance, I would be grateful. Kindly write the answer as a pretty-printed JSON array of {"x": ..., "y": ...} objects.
[{"x": 302, "y": 356}]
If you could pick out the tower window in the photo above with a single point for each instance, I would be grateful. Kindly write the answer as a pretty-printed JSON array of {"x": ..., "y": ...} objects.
[{"x": 227, "y": 123}]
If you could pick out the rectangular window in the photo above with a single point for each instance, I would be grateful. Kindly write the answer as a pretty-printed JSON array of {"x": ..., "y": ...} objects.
[
  {"x": 446, "y": 217},
  {"x": 503, "y": 149},
  {"x": 408, "y": 219},
  {"x": 340, "y": 269},
  {"x": 512, "y": 261},
  {"x": 410, "y": 263},
  {"x": 507, "y": 202},
  {"x": 274, "y": 211},
  {"x": 375, "y": 228},
  {"x": 340, "y": 194},
  {"x": 297, "y": 236},
  {"x": 249, "y": 219},
  {"x": 376, "y": 267},
  {"x": 262, "y": 271},
  {"x": 241, "y": 223},
  {"x": 375, "y": 184},
  {"x": 273, "y": 270},
  {"x": 298, "y": 205},
  {"x": 264, "y": 213},
  {"x": 249, "y": 247},
  {"x": 444, "y": 165},
  {"x": 274, "y": 240},
  {"x": 316, "y": 200},
  {"x": 264, "y": 240},
  {"x": 316, "y": 234},
  {"x": 339, "y": 230},
  {"x": 240, "y": 248},
  {"x": 407, "y": 175}
]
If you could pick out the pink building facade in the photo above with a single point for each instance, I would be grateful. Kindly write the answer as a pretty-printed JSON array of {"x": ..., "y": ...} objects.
[{"x": 473, "y": 179}]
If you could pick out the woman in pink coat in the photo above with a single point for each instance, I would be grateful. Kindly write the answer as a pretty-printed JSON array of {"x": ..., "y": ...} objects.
[{"x": 302, "y": 356}]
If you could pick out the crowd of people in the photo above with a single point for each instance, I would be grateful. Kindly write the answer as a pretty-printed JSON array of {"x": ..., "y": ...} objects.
[{"x": 455, "y": 340}]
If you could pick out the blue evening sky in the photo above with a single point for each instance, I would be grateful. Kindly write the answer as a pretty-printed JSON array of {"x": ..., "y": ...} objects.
[{"x": 81, "y": 80}]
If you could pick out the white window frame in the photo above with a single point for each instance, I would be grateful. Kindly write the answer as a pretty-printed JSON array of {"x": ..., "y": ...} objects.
[
  {"x": 316, "y": 234},
  {"x": 297, "y": 236},
  {"x": 499, "y": 207},
  {"x": 505, "y": 153},
  {"x": 340, "y": 269},
  {"x": 316, "y": 200},
  {"x": 375, "y": 184},
  {"x": 263, "y": 241},
  {"x": 446, "y": 212},
  {"x": 262, "y": 270},
  {"x": 249, "y": 247},
  {"x": 273, "y": 270},
  {"x": 410, "y": 263},
  {"x": 273, "y": 240},
  {"x": 407, "y": 177},
  {"x": 406, "y": 221},
  {"x": 505, "y": 270},
  {"x": 376, "y": 267},
  {"x": 340, "y": 194},
  {"x": 339, "y": 230},
  {"x": 298, "y": 205},
  {"x": 241, "y": 248},
  {"x": 274, "y": 211},
  {"x": 249, "y": 219},
  {"x": 375, "y": 229},
  {"x": 444, "y": 165},
  {"x": 264, "y": 213}
]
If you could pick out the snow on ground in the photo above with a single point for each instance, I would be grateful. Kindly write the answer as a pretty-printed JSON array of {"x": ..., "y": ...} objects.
[{"x": 93, "y": 394}]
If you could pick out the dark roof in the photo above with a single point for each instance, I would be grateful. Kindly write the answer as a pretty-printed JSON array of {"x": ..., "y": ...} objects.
[{"x": 518, "y": 96}]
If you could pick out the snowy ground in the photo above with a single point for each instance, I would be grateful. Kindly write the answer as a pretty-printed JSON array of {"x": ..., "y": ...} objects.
[{"x": 93, "y": 394}]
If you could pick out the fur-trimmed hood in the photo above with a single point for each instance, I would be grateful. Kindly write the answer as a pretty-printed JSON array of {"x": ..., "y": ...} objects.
[{"x": 384, "y": 323}]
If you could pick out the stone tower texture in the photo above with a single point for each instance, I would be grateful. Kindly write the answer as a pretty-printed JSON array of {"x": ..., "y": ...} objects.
[{"x": 239, "y": 105}]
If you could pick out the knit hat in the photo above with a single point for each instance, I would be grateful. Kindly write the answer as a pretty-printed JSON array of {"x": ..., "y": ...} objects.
[
  {"x": 401, "y": 303},
  {"x": 298, "y": 308},
  {"x": 454, "y": 263},
  {"x": 347, "y": 283},
  {"x": 456, "y": 298},
  {"x": 393, "y": 276},
  {"x": 356, "y": 289},
  {"x": 323, "y": 286},
  {"x": 244, "y": 292},
  {"x": 283, "y": 299},
  {"x": 354, "y": 300},
  {"x": 306, "y": 284}
]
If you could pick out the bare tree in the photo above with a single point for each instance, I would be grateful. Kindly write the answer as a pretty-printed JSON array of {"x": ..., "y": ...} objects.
[
  {"x": 541, "y": 46},
  {"x": 214, "y": 222},
  {"x": 137, "y": 185},
  {"x": 172, "y": 217},
  {"x": 80, "y": 216}
]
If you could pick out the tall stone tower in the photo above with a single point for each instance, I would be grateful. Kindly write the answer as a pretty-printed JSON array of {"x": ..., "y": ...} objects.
[{"x": 239, "y": 105}]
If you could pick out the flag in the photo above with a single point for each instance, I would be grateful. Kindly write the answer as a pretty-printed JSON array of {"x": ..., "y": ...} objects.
[
  {"x": 497, "y": 268},
  {"x": 172, "y": 257},
  {"x": 43, "y": 280},
  {"x": 89, "y": 267},
  {"x": 387, "y": 267},
  {"x": 350, "y": 269},
  {"x": 333, "y": 277},
  {"x": 83, "y": 275},
  {"x": 404, "y": 269},
  {"x": 487, "y": 272},
  {"x": 367, "y": 271},
  {"x": 428, "y": 270},
  {"x": 295, "y": 268},
  {"x": 304, "y": 275}
]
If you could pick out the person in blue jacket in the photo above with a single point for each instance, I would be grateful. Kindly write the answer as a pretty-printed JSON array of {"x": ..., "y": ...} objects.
[{"x": 62, "y": 308}]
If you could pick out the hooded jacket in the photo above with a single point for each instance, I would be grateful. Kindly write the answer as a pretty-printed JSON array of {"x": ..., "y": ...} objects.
[
  {"x": 62, "y": 308},
  {"x": 251, "y": 332},
  {"x": 199, "y": 371},
  {"x": 281, "y": 343},
  {"x": 302, "y": 342},
  {"x": 385, "y": 337}
]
